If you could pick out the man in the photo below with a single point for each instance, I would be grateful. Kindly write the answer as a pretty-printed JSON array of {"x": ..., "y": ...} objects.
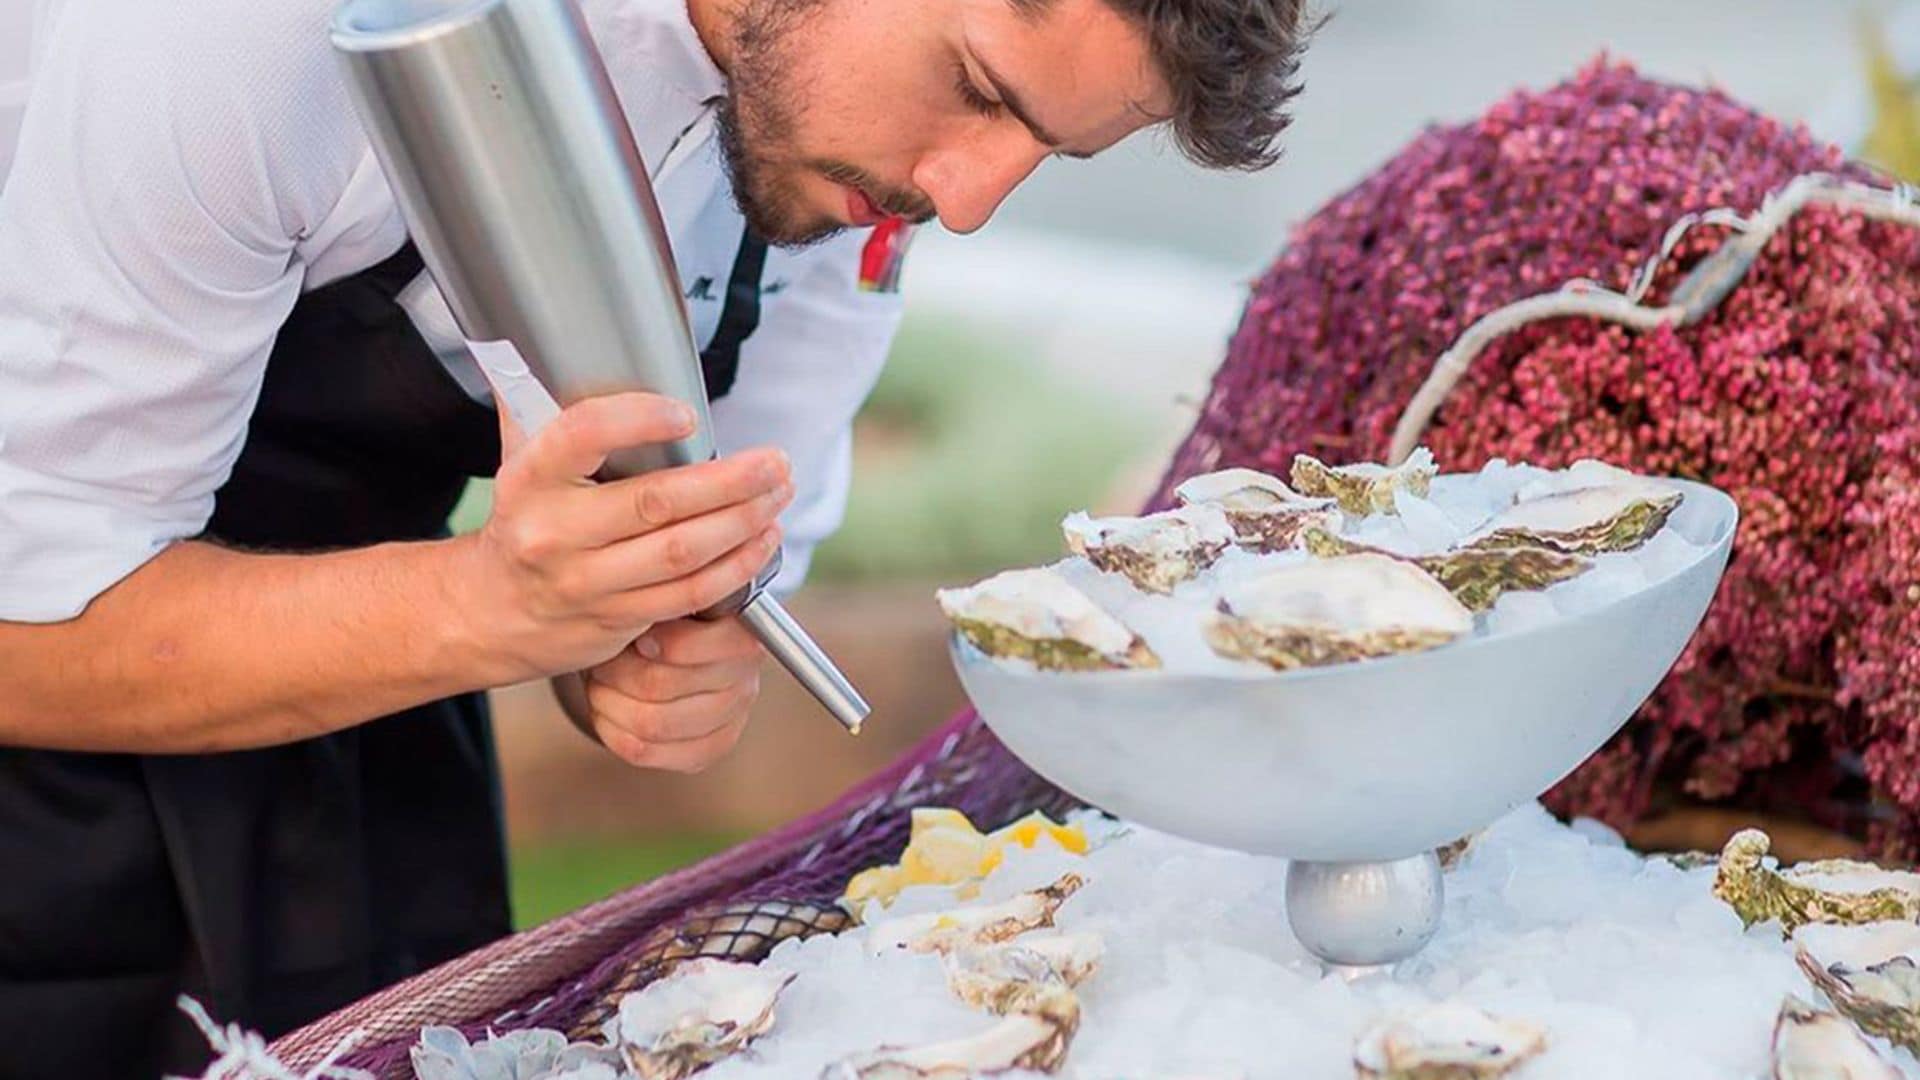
[{"x": 245, "y": 753}]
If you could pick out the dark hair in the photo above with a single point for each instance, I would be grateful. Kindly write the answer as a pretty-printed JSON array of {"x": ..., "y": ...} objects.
[{"x": 1232, "y": 66}]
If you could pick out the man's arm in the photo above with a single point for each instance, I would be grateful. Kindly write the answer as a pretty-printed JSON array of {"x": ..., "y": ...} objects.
[{"x": 204, "y": 649}]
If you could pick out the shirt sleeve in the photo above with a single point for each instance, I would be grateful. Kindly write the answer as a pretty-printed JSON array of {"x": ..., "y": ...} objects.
[
  {"x": 804, "y": 373},
  {"x": 170, "y": 159}
]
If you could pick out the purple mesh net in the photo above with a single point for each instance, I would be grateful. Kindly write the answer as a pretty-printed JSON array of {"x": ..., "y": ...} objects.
[{"x": 564, "y": 973}]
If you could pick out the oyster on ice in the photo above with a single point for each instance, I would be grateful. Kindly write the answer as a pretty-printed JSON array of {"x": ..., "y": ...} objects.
[
  {"x": 1447, "y": 1041},
  {"x": 1035, "y": 615},
  {"x": 1022, "y": 974},
  {"x": 1366, "y": 488},
  {"x": 1453, "y": 852},
  {"x": 444, "y": 1053},
  {"x": 1869, "y": 974},
  {"x": 1034, "y": 1040},
  {"x": 1475, "y": 576},
  {"x": 1584, "y": 473},
  {"x": 1266, "y": 514},
  {"x": 968, "y": 927},
  {"x": 1331, "y": 611},
  {"x": 1585, "y": 521},
  {"x": 1826, "y": 891},
  {"x": 705, "y": 1011},
  {"x": 1155, "y": 552},
  {"x": 1813, "y": 1044}
]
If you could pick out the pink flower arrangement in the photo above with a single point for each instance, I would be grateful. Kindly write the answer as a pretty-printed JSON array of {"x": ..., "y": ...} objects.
[{"x": 1799, "y": 395}]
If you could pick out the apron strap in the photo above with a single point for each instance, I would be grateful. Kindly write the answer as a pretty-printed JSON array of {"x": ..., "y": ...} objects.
[{"x": 739, "y": 318}]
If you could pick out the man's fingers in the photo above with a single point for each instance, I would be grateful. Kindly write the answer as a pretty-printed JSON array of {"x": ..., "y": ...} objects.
[
  {"x": 689, "y": 756},
  {"x": 671, "y": 723},
  {"x": 611, "y": 512},
  {"x": 701, "y": 641},
  {"x": 655, "y": 682},
  {"x": 577, "y": 442},
  {"x": 684, "y": 548}
]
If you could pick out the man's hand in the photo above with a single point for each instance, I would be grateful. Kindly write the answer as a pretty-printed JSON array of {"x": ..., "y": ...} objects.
[
  {"x": 676, "y": 699},
  {"x": 567, "y": 572}
]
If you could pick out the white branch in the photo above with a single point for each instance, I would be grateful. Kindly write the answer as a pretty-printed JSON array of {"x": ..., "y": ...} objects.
[{"x": 1699, "y": 293}]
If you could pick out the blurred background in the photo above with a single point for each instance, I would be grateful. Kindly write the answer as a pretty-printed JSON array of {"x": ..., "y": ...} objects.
[{"x": 1050, "y": 362}]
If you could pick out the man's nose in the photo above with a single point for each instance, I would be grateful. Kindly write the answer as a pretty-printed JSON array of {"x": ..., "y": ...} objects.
[{"x": 969, "y": 181}]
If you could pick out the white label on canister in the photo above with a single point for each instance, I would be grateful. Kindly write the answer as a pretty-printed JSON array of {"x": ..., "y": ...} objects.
[{"x": 526, "y": 400}]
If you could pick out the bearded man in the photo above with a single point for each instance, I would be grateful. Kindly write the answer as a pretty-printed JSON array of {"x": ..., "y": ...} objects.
[{"x": 244, "y": 753}]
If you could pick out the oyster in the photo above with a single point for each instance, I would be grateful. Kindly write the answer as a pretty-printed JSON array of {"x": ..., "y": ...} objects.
[
  {"x": 1827, "y": 891},
  {"x": 1155, "y": 552},
  {"x": 707, "y": 1010},
  {"x": 1448, "y": 1041},
  {"x": 1585, "y": 473},
  {"x": 1365, "y": 488},
  {"x": 1453, "y": 851},
  {"x": 1345, "y": 608},
  {"x": 1812, "y": 1044},
  {"x": 1586, "y": 521},
  {"x": 1688, "y": 860},
  {"x": 1475, "y": 576},
  {"x": 1021, "y": 975},
  {"x": 1869, "y": 974},
  {"x": 986, "y": 924},
  {"x": 1034, "y": 1040},
  {"x": 1265, "y": 514},
  {"x": 444, "y": 1053},
  {"x": 1035, "y": 615}
]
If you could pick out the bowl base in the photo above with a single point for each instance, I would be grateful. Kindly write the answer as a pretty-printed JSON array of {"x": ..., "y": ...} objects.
[{"x": 1357, "y": 915}]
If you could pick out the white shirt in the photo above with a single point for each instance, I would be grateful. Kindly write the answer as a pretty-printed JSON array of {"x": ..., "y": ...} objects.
[{"x": 186, "y": 169}]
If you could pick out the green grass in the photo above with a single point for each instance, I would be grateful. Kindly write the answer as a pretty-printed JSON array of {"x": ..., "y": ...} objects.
[
  {"x": 988, "y": 451},
  {"x": 553, "y": 879}
]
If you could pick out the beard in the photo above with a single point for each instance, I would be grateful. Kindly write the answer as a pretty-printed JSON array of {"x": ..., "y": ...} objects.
[{"x": 757, "y": 125}]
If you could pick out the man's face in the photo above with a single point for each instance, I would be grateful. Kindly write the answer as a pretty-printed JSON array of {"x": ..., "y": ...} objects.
[{"x": 842, "y": 112}]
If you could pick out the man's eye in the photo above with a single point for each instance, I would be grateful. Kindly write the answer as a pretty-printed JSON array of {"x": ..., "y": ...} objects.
[{"x": 971, "y": 95}]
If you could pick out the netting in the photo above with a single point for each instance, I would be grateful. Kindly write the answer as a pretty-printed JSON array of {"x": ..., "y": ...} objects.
[{"x": 566, "y": 973}]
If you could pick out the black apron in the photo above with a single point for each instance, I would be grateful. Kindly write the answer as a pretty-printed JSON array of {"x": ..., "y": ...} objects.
[{"x": 276, "y": 885}]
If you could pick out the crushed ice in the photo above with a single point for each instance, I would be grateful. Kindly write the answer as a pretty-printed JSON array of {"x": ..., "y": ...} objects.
[{"x": 1630, "y": 963}]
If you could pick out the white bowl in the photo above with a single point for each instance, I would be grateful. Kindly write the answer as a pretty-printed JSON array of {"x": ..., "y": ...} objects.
[{"x": 1370, "y": 761}]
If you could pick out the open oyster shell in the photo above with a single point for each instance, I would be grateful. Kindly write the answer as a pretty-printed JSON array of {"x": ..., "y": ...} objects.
[
  {"x": 1023, "y": 974},
  {"x": 1869, "y": 973},
  {"x": 1475, "y": 576},
  {"x": 1155, "y": 552},
  {"x": 1035, "y": 615},
  {"x": 1447, "y": 1041},
  {"x": 1365, "y": 488},
  {"x": 1265, "y": 514},
  {"x": 1827, "y": 891},
  {"x": 1813, "y": 1044},
  {"x": 1033, "y": 1040},
  {"x": 444, "y": 1053},
  {"x": 1584, "y": 473},
  {"x": 705, "y": 1011},
  {"x": 970, "y": 927},
  {"x": 1332, "y": 611},
  {"x": 1585, "y": 521}
]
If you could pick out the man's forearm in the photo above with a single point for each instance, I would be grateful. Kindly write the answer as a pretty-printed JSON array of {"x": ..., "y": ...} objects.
[{"x": 205, "y": 649}]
